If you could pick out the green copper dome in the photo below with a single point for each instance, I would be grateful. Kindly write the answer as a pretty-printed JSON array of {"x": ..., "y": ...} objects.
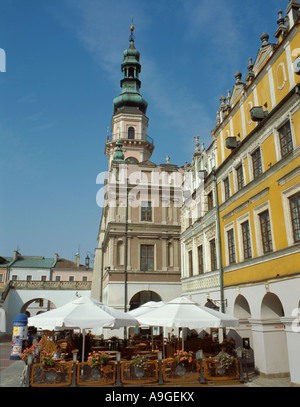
[{"x": 130, "y": 94}]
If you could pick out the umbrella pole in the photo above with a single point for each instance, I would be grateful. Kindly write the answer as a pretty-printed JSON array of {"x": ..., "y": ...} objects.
[
  {"x": 151, "y": 330},
  {"x": 182, "y": 338},
  {"x": 83, "y": 345}
]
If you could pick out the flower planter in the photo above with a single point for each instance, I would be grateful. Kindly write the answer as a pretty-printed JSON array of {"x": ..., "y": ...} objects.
[
  {"x": 220, "y": 371},
  {"x": 96, "y": 373},
  {"x": 50, "y": 373},
  {"x": 139, "y": 372},
  {"x": 180, "y": 370}
]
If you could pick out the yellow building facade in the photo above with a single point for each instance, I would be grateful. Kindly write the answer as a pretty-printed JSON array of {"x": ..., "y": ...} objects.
[
  {"x": 252, "y": 179},
  {"x": 258, "y": 181}
]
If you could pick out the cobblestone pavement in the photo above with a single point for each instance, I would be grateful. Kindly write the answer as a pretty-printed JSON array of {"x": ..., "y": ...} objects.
[{"x": 11, "y": 372}]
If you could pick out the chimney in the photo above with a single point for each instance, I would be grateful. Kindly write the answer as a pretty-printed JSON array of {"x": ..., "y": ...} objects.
[
  {"x": 16, "y": 254},
  {"x": 77, "y": 260},
  {"x": 56, "y": 256}
]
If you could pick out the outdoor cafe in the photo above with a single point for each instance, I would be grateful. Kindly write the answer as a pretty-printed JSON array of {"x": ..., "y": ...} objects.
[{"x": 65, "y": 352}]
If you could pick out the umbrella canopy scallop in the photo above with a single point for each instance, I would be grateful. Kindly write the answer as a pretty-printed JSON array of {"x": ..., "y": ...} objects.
[
  {"x": 182, "y": 312},
  {"x": 83, "y": 313}
]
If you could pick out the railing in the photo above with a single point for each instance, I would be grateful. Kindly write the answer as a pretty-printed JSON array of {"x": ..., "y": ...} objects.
[
  {"x": 139, "y": 375},
  {"x": 59, "y": 375},
  {"x": 124, "y": 372},
  {"x": 92, "y": 376},
  {"x": 124, "y": 136},
  {"x": 213, "y": 372},
  {"x": 50, "y": 285}
]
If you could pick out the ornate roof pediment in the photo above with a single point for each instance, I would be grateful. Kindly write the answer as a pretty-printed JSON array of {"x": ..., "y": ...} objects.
[
  {"x": 238, "y": 89},
  {"x": 265, "y": 52}
]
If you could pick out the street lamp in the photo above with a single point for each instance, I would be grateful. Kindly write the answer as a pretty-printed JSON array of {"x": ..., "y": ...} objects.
[{"x": 87, "y": 259}]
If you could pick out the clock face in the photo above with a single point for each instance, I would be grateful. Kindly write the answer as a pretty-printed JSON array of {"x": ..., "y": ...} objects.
[
  {"x": 131, "y": 160},
  {"x": 297, "y": 65}
]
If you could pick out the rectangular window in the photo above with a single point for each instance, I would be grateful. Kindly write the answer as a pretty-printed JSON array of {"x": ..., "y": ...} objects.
[
  {"x": 147, "y": 257},
  {"x": 71, "y": 278},
  {"x": 28, "y": 278},
  {"x": 190, "y": 263},
  {"x": 146, "y": 211},
  {"x": 295, "y": 215},
  {"x": 14, "y": 278},
  {"x": 84, "y": 278},
  {"x": 256, "y": 162},
  {"x": 57, "y": 278},
  {"x": 200, "y": 260},
  {"x": 226, "y": 188},
  {"x": 246, "y": 240},
  {"x": 213, "y": 255},
  {"x": 43, "y": 278},
  {"x": 231, "y": 247},
  {"x": 240, "y": 177},
  {"x": 285, "y": 138},
  {"x": 266, "y": 231},
  {"x": 210, "y": 201}
]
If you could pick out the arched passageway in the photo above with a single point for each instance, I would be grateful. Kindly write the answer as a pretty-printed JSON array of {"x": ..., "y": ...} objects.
[
  {"x": 142, "y": 297},
  {"x": 36, "y": 306}
]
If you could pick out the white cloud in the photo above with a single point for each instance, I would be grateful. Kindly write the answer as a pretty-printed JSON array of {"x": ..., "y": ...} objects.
[{"x": 27, "y": 99}]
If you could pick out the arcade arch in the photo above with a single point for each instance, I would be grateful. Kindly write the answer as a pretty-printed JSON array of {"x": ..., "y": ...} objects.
[
  {"x": 37, "y": 306},
  {"x": 271, "y": 307},
  {"x": 142, "y": 297},
  {"x": 241, "y": 308}
]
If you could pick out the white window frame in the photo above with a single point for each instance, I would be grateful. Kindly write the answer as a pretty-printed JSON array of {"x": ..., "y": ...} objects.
[
  {"x": 227, "y": 228},
  {"x": 223, "y": 187},
  {"x": 240, "y": 244},
  {"x": 250, "y": 160},
  {"x": 286, "y": 194},
  {"x": 235, "y": 177},
  {"x": 257, "y": 227},
  {"x": 283, "y": 121}
]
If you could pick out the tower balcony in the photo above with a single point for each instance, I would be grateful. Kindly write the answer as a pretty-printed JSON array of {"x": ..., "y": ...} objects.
[{"x": 124, "y": 136}]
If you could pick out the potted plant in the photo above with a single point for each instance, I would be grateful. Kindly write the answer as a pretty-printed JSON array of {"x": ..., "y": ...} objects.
[
  {"x": 244, "y": 352},
  {"x": 28, "y": 351},
  {"x": 96, "y": 360},
  {"x": 47, "y": 359},
  {"x": 139, "y": 362},
  {"x": 224, "y": 361},
  {"x": 229, "y": 344},
  {"x": 182, "y": 358}
]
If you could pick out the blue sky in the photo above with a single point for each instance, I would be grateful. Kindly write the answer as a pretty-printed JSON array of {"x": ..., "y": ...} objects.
[{"x": 62, "y": 72}]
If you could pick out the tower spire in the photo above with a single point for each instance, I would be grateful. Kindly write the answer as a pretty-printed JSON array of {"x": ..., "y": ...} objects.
[{"x": 130, "y": 95}]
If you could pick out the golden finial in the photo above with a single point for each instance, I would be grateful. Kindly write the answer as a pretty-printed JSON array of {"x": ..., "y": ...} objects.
[{"x": 132, "y": 26}]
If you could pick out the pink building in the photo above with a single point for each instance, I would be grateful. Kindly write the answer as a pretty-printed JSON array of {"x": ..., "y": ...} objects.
[{"x": 67, "y": 270}]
